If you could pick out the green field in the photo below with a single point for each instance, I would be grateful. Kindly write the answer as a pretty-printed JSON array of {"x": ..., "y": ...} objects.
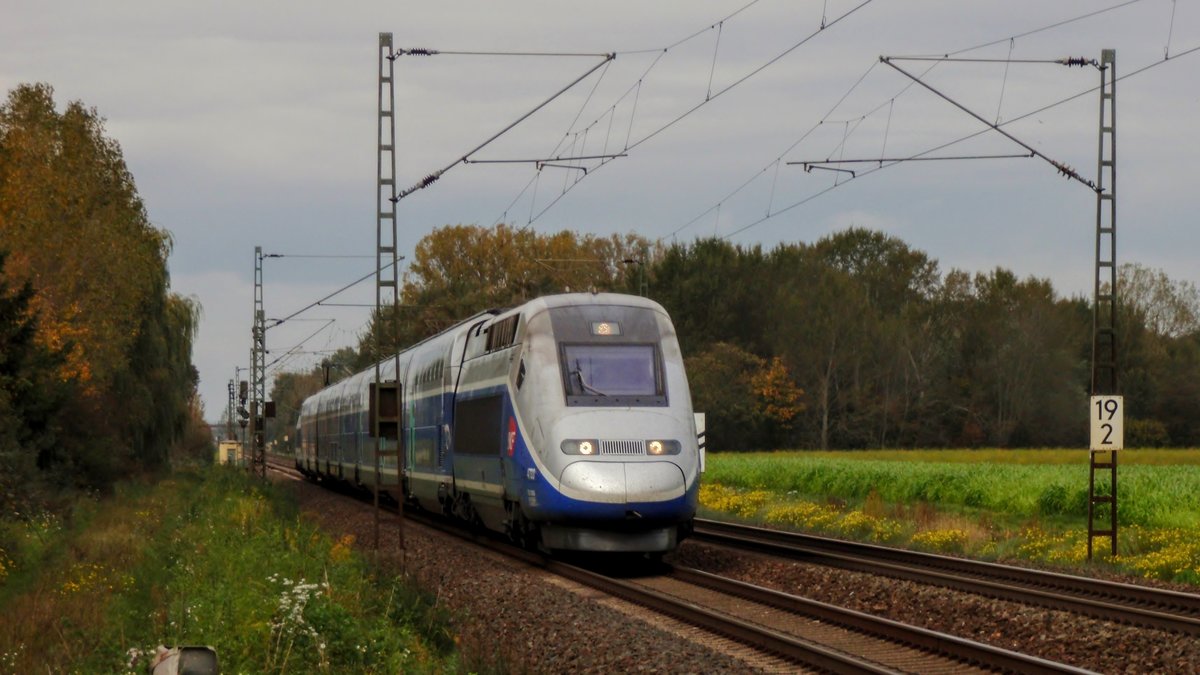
[{"x": 994, "y": 503}]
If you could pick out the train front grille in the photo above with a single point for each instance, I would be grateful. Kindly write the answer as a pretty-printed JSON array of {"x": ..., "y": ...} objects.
[{"x": 622, "y": 447}]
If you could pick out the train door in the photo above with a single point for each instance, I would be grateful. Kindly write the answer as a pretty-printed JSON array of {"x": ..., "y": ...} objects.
[
  {"x": 405, "y": 439},
  {"x": 425, "y": 395},
  {"x": 316, "y": 437},
  {"x": 477, "y": 439},
  {"x": 446, "y": 448}
]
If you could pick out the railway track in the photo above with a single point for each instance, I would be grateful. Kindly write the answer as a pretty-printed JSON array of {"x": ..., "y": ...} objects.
[
  {"x": 813, "y": 633},
  {"x": 797, "y": 630},
  {"x": 1112, "y": 601}
]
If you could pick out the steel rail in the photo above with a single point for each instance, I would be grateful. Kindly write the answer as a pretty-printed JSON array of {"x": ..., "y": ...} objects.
[
  {"x": 1113, "y": 601},
  {"x": 756, "y": 636},
  {"x": 954, "y": 647}
]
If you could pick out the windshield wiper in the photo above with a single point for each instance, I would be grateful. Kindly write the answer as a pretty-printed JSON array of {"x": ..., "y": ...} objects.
[{"x": 578, "y": 373}]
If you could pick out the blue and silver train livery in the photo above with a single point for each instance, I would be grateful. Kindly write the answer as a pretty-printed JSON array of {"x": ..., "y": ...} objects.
[{"x": 565, "y": 423}]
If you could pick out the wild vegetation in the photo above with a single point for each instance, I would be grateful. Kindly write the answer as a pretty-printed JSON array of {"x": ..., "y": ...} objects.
[
  {"x": 96, "y": 378},
  {"x": 204, "y": 558},
  {"x": 890, "y": 352},
  {"x": 1025, "y": 505},
  {"x": 855, "y": 341}
]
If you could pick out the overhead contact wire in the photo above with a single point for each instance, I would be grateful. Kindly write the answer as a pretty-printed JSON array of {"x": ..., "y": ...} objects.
[
  {"x": 791, "y": 147},
  {"x": 1170, "y": 32},
  {"x": 1052, "y": 26},
  {"x": 744, "y": 78},
  {"x": 339, "y": 291},
  {"x": 888, "y": 127},
  {"x": 943, "y": 146},
  {"x": 1004, "y": 81},
  {"x": 749, "y": 75},
  {"x": 693, "y": 36},
  {"x": 328, "y": 323},
  {"x": 461, "y": 160},
  {"x": 636, "y": 89},
  {"x": 713, "y": 69}
]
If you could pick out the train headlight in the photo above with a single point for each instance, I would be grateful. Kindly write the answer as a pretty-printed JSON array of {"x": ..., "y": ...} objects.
[
  {"x": 657, "y": 447},
  {"x": 576, "y": 447}
]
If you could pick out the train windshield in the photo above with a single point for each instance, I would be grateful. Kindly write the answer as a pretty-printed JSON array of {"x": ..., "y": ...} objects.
[{"x": 612, "y": 374}]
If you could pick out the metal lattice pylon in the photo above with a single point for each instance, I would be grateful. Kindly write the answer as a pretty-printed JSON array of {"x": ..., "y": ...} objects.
[
  {"x": 1104, "y": 316},
  {"x": 258, "y": 377},
  {"x": 387, "y": 397}
]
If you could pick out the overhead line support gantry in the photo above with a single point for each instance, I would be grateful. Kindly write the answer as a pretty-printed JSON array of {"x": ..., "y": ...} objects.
[
  {"x": 386, "y": 404},
  {"x": 1108, "y": 405}
]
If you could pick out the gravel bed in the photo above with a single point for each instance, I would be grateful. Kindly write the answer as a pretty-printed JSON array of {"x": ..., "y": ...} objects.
[
  {"x": 1050, "y": 634},
  {"x": 514, "y": 619}
]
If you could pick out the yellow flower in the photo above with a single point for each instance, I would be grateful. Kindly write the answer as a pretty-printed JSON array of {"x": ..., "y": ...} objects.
[
  {"x": 342, "y": 548},
  {"x": 942, "y": 540}
]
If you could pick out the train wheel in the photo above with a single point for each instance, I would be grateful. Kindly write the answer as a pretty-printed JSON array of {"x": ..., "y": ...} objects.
[{"x": 521, "y": 531}]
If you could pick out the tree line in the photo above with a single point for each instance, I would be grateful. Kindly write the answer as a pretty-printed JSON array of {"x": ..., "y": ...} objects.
[
  {"x": 96, "y": 374},
  {"x": 855, "y": 341}
]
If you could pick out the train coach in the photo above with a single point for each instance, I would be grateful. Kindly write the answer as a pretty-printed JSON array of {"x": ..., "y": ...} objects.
[{"x": 565, "y": 423}]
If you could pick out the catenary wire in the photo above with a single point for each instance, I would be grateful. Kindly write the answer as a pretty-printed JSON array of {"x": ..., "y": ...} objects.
[
  {"x": 461, "y": 52},
  {"x": 298, "y": 345},
  {"x": 908, "y": 86},
  {"x": 1042, "y": 29},
  {"x": 348, "y": 286},
  {"x": 313, "y": 255},
  {"x": 719, "y": 93},
  {"x": 1170, "y": 31},
  {"x": 1031, "y": 113},
  {"x": 552, "y": 203},
  {"x": 634, "y": 89},
  {"x": 1004, "y": 81},
  {"x": 779, "y": 158},
  {"x": 428, "y": 180},
  {"x": 694, "y": 35}
]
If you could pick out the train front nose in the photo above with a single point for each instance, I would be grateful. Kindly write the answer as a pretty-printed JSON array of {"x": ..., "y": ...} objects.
[
  {"x": 618, "y": 482},
  {"x": 636, "y": 469},
  {"x": 618, "y": 497}
]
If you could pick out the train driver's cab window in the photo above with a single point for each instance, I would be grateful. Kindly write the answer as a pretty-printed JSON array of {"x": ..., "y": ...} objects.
[{"x": 612, "y": 374}]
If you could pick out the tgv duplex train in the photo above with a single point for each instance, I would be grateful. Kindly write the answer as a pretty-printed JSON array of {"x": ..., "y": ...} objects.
[{"x": 565, "y": 422}]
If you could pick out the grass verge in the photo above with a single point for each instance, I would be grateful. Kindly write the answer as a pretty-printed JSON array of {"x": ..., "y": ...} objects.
[{"x": 207, "y": 558}]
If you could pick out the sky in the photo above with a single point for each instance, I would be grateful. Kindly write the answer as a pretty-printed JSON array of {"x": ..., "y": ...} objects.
[{"x": 253, "y": 123}]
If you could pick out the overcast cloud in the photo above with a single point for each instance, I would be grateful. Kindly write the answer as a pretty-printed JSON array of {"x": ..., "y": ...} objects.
[{"x": 253, "y": 123}]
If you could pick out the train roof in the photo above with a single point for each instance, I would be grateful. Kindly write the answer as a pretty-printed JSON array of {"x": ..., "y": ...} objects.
[
  {"x": 573, "y": 299},
  {"x": 529, "y": 308}
]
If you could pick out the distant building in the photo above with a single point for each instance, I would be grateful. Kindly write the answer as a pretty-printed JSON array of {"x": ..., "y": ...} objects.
[{"x": 228, "y": 452}]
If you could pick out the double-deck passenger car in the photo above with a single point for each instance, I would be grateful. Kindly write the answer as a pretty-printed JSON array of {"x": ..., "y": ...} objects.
[{"x": 565, "y": 422}]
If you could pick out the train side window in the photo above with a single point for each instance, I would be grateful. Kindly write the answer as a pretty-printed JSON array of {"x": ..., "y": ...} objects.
[
  {"x": 521, "y": 374},
  {"x": 502, "y": 333}
]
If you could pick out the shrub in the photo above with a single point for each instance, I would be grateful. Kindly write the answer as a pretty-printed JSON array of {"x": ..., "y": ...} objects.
[{"x": 1053, "y": 500}]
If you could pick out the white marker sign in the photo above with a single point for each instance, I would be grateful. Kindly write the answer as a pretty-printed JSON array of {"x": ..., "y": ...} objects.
[{"x": 1107, "y": 414}]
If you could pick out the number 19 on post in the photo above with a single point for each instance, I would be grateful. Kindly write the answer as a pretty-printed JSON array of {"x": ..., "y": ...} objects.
[{"x": 1107, "y": 415}]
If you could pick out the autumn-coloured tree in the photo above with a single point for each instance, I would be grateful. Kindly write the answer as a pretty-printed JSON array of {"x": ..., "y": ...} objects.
[
  {"x": 459, "y": 270},
  {"x": 782, "y": 401},
  {"x": 79, "y": 234}
]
